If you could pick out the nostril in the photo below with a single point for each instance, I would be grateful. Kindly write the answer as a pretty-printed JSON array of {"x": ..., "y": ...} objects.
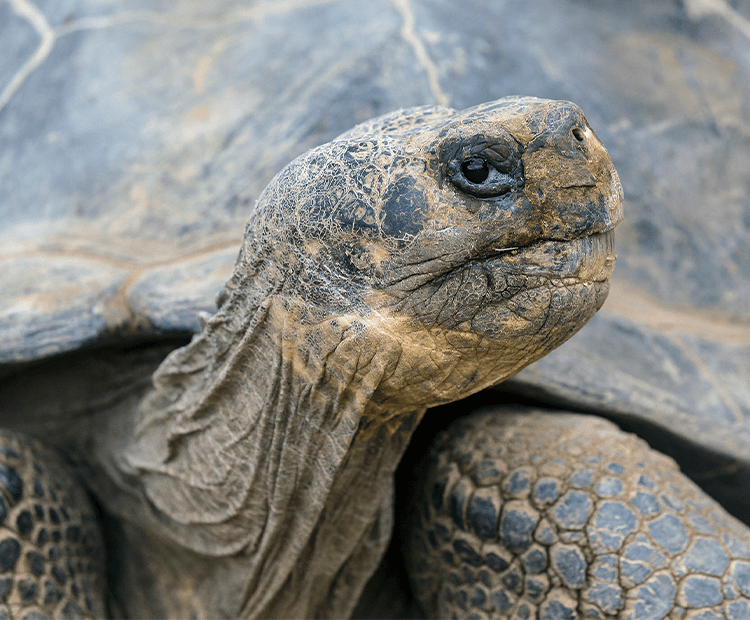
[{"x": 578, "y": 134}]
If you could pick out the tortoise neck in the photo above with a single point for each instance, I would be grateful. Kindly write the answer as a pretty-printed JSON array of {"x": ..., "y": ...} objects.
[{"x": 255, "y": 442}]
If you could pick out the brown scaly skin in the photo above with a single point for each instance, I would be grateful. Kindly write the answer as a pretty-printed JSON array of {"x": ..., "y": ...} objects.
[{"x": 415, "y": 260}]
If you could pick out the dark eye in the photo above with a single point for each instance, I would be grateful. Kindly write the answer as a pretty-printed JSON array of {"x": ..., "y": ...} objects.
[
  {"x": 476, "y": 170},
  {"x": 481, "y": 178}
]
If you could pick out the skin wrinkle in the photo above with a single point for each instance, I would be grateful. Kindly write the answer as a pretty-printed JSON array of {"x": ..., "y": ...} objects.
[
  {"x": 544, "y": 283},
  {"x": 459, "y": 267},
  {"x": 545, "y": 343},
  {"x": 203, "y": 423},
  {"x": 427, "y": 262},
  {"x": 427, "y": 274}
]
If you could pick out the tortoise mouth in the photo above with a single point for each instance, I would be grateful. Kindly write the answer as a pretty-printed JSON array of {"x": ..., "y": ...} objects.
[
  {"x": 528, "y": 273},
  {"x": 521, "y": 281},
  {"x": 584, "y": 259},
  {"x": 590, "y": 258}
]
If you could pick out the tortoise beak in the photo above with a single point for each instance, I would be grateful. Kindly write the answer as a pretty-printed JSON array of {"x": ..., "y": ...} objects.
[
  {"x": 571, "y": 183},
  {"x": 607, "y": 177}
]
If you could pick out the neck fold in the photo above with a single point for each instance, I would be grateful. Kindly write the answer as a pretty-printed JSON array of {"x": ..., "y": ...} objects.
[{"x": 253, "y": 445}]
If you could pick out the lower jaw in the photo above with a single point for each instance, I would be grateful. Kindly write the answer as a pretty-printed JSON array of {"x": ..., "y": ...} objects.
[
  {"x": 496, "y": 344},
  {"x": 557, "y": 282},
  {"x": 547, "y": 314}
]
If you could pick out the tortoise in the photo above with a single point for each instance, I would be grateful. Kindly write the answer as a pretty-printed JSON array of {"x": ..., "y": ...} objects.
[{"x": 134, "y": 228}]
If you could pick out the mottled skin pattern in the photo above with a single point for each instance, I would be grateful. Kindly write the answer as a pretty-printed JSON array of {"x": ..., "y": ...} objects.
[
  {"x": 539, "y": 514},
  {"x": 51, "y": 547},
  {"x": 415, "y": 260}
]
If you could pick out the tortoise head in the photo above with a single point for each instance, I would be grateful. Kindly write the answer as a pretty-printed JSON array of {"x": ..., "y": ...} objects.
[{"x": 477, "y": 240}]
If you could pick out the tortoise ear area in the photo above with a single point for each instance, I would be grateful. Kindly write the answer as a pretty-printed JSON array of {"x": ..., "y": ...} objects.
[{"x": 402, "y": 213}]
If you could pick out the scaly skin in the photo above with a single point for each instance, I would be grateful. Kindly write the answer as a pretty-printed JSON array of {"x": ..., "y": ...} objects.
[
  {"x": 51, "y": 547},
  {"x": 534, "y": 514},
  {"x": 375, "y": 280}
]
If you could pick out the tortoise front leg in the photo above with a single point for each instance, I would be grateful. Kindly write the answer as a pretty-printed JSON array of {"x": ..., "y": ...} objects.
[
  {"x": 51, "y": 549},
  {"x": 532, "y": 514}
]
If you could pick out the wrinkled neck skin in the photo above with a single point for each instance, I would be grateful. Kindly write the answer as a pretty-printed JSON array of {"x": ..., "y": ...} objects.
[
  {"x": 250, "y": 431},
  {"x": 273, "y": 439}
]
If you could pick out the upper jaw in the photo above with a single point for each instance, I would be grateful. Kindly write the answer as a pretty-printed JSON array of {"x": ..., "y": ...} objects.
[
  {"x": 590, "y": 258},
  {"x": 545, "y": 257},
  {"x": 468, "y": 285}
]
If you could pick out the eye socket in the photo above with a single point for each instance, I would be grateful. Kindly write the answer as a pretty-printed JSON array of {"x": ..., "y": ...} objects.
[{"x": 479, "y": 177}]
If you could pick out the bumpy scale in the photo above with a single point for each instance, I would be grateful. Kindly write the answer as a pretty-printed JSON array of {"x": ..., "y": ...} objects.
[
  {"x": 552, "y": 515},
  {"x": 51, "y": 551}
]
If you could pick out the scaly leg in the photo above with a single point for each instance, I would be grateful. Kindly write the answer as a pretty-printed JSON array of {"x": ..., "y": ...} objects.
[
  {"x": 532, "y": 514},
  {"x": 51, "y": 549}
]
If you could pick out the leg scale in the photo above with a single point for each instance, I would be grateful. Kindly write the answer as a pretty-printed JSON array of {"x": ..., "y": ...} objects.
[
  {"x": 51, "y": 550},
  {"x": 534, "y": 514}
]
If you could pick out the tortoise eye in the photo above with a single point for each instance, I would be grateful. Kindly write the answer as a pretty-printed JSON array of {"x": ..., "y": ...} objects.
[
  {"x": 481, "y": 178},
  {"x": 476, "y": 169}
]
